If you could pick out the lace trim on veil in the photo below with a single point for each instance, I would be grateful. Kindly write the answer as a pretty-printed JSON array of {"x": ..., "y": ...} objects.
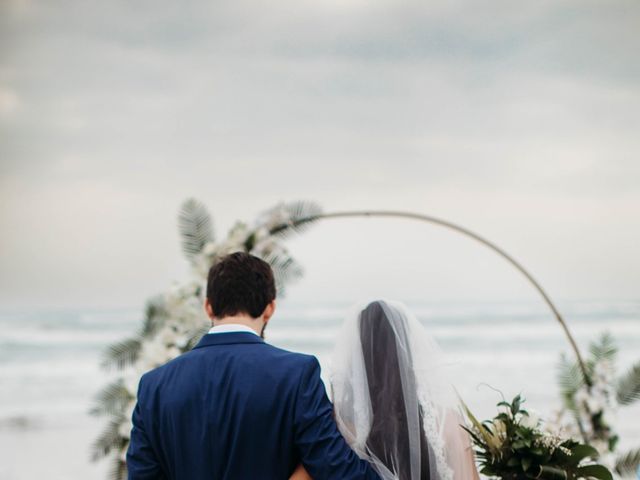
[{"x": 432, "y": 432}]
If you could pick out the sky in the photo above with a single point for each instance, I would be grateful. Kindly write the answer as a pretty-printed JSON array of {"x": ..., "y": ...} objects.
[{"x": 518, "y": 120}]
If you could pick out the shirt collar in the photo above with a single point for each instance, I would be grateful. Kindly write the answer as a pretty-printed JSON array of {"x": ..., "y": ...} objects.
[{"x": 231, "y": 327}]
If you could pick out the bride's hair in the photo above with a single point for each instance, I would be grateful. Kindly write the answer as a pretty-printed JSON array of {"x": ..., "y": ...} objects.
[{"x": 385, "y": 379}]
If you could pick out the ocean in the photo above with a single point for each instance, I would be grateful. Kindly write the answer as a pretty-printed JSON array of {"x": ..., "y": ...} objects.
[{"x": 49, "y": 366}]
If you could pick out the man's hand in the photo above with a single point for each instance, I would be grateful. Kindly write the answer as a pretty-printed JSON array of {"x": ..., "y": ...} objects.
[{"x": 300, "y": 473}]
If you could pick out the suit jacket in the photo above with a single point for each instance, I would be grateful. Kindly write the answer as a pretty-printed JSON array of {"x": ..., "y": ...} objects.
[{"x": 237, "y": 408}]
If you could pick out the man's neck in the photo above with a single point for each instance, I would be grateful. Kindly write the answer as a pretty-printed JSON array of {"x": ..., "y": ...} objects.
[{"x": 253, "y": 323}]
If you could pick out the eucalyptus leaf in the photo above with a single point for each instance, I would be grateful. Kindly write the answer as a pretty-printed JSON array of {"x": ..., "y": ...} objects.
[
  {"x": 594, "y": 471},
  {"x": 551, "y": 473}
]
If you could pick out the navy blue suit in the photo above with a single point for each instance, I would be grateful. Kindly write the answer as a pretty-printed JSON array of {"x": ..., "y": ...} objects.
[{"x": 237, "y": 408}]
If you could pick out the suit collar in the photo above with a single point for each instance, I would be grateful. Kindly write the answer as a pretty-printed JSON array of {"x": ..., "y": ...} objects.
[{"x": 228, "y": 338}]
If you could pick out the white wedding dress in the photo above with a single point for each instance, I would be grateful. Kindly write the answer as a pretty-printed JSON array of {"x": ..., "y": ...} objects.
[{"x": 390, "y": 399}]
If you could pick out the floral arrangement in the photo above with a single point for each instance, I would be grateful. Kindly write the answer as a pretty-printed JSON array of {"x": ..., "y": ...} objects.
[
  {"x": 589, "y": 407},
  {"x": 174, "y": 321},
  {"x": 513, "y": 446}
]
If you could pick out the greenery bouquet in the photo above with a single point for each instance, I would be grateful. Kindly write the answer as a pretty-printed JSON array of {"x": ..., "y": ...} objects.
[{"x": 513, "y": 446}]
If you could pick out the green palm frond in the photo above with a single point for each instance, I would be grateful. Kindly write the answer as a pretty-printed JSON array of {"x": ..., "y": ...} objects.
[
  {"x": 569, "y": 378},
  {"x": 112, "y": 399},
  {"x": 121, "y": 354},
  {"x": 628, "y": 387},
  {"x": 627, "y": 464},
  {"x": 195, "y": 227},
  {"x": 297, "y": 211},
  {"x": 118, "y": 470},
  {"x": 604, "y": 348},
  {"x": 285, "y": 269},
  {"x": 109, "y": 440},
  {"x": 155, "y": 316}
]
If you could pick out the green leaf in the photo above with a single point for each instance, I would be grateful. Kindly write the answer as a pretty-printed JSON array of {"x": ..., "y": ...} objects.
[
  {"x": 489, "y": 442},
  {"x": 594, "y": 471},
  {"x": 194, "y": 223},
  {"x": 504, "y": 417},
  {"x": 515, "y": 405},
  {"x": 513, "y": 462},
  {"x": 110, "y": 439},
  {"x": 112, "y": 399},
  {"x": 569, "y": 377},
  {"x": 547, "y": 472},
  {"x": 518, "y": 444},
  {"x": 118, "y": 469},
  {"x": 488, "y": 471},
  {"x": 302, "y": 215},
  {"x": 155, "y": 316},
  {"x": 604, "y": 348},
  {"x": 475, "y": 438},
  {"x": 627, "y": 464},
  {"x": 526, "y": 463},
  {"x": 628, "y": 387},
  {"x": 580, "y": 451},
  {"x": 121, "y": 354}
]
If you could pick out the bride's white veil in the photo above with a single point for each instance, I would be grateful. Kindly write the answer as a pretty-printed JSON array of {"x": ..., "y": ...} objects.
[{"x": 391, "y": 400}]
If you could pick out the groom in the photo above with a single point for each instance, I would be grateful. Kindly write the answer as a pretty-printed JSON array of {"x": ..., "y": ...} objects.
[{"x": 235, "y": 407}]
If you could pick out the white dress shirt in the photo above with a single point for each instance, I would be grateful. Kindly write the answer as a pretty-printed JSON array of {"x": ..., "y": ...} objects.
[{"x": 231, "y": 327}]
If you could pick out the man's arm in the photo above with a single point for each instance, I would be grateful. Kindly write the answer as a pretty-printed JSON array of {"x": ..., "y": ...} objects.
[
  {"x": 142, "y": 463},
  {"x": 323, "y": 450}
]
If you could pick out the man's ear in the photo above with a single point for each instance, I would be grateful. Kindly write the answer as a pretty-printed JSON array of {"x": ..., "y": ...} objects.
[
  {"x": 269, "y": 310},
  {"x": 208, "y": 309}
]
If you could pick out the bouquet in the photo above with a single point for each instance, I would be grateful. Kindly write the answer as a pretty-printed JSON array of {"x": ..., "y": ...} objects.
[{"x": 512, "y": 446}]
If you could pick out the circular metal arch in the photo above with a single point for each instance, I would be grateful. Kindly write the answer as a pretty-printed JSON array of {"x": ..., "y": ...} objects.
[{"x": 468, "y": 233}]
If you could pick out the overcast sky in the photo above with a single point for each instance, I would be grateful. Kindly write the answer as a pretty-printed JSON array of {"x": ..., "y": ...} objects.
[{"x": 519, "y": 120}]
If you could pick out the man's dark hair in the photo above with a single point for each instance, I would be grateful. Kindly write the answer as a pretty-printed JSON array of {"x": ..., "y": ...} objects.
[{"x": 240, "y": 283}]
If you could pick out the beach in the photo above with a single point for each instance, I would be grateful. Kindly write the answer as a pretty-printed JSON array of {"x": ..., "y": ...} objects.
[{"x": 50, "y": 366}]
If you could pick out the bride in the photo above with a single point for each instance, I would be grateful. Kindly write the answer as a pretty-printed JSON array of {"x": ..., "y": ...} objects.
[{"x": 390, "y": 400}]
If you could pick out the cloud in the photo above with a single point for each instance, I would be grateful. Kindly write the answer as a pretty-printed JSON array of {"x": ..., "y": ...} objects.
[{"x": 508, "y": 116}]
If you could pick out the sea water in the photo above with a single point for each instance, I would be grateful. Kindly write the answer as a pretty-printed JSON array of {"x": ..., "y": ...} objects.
[{"x": 50, "y": 366}]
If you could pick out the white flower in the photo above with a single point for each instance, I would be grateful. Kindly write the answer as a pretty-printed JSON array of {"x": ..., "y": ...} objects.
[
  {"x": 531, "y": 420},
  {"x": 596, "y": 402},
  {"x": 128, "y": 411},
  {"x": 276, "y": 216},
  {"x": 238, "y": 234},
  {"x": 549, "y": 442},
  {"x": 261, "y": 232},
  {"x": 201, "y": 265},
  {"x": 154, "y": 352},
  {"x": 167, "y": 335},
  {"x": 265, "y": 245},
  {"x": 130, "y": 379},
  {"x": 209, "y": 249},
  {"x": 581, "y": 395},
  {"x": 125, "y": 429}
]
